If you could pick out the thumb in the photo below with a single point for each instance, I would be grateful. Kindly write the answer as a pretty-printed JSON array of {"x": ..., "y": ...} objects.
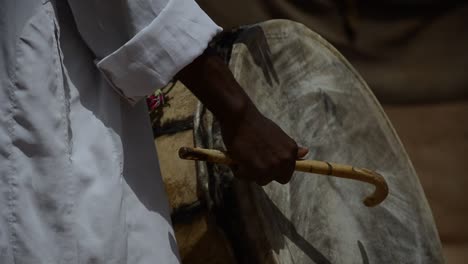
[{"x": 302, "y": 152}]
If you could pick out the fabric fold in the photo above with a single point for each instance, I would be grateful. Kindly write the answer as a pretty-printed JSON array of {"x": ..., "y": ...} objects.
[{"x": 148, "y": 61}]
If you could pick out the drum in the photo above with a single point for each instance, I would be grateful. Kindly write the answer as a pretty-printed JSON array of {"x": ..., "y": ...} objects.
[
  {"x": 199, "y": 239},
  {"x": 301, "y": 82}
]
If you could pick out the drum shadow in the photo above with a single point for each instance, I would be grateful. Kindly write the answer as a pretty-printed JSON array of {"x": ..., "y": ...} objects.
[
  {"x": 277, "y": 226},
  {"x": 255, "y": 40}
]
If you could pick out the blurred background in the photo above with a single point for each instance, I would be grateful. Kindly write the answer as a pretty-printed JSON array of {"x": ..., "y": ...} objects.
[{"x": 413, "y": 54}]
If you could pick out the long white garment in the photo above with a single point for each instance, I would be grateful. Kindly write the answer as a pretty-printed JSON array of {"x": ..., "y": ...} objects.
[{"x": 79, "y": 177}]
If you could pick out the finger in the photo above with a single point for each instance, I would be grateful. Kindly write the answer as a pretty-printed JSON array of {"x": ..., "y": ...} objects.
[
  {"x": 260, "y": 175},
  {"x": 285, "y": 178},
  {"x": 302, "y": 152},
  {"x": 263, "y": 181},
  {"x": 285, "y": 172}
]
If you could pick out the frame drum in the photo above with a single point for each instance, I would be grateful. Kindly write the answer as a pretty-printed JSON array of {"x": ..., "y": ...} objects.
[{"x": 307, "y": 87}]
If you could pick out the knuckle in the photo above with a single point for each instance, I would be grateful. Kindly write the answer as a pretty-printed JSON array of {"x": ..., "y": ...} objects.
[
  {"x": 285, "y": 179},
  {"x": 282, "y": 181},
  {"x": 286, "y": 162},
  {"x": 263, "y": 182},
  {"x": 293, "y": 145}
]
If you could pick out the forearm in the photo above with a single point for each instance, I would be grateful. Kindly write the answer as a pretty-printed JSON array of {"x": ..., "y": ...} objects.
[
  {"x": 263, "y": 151},
  {"x": 211, "y": 81}
]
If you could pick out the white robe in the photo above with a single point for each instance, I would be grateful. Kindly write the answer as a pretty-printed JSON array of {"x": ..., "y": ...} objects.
[{"x": 79, "y": 177}]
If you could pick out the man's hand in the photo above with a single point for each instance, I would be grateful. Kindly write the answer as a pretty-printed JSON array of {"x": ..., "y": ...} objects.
[{"x": 263, "y": 151}]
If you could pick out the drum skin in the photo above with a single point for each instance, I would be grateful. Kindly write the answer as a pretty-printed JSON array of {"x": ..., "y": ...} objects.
[
  {"x": 302, "y": 83},
  {"x": 199, "y": 239}
]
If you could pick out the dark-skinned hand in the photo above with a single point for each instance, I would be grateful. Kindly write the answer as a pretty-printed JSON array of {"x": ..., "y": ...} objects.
[{"x": 263, "y": 151}]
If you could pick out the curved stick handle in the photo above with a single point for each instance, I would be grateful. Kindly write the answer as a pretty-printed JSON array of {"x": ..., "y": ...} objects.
[{"x": 312, "y": 166}]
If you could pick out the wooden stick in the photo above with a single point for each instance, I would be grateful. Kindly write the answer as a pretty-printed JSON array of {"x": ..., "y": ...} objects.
[{"x": 311, "y": 166}]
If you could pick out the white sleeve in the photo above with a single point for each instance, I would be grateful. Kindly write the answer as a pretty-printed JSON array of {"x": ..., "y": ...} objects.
[{"x": 141, "y": 44}]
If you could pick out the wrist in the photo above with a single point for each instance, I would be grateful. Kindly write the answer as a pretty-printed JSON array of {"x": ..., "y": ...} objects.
[
  {"x": 210, "y": 79},
  {"x": 236, "y": 110}
]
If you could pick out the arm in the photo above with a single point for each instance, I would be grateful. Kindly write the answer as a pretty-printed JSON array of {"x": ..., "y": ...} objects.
[
  {"x": 264, "y": 152},
  {"x": 142, "y": 44}
]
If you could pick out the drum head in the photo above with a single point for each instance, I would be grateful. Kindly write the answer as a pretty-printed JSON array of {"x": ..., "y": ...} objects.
[{"x": 301, "y": 82}]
